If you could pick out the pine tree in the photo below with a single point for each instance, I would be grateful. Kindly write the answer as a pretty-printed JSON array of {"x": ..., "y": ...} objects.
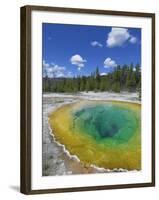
[
  {"x": 97, "y": 76},
  {"x": 102, "y": 84},
  {"x": 87, "y": 86},
  {"x": 82, "y": 84},
  {"x": 139, "y": 90},
  {"x": 122, "y": 78},
  {"x": 116, "y": 87}
]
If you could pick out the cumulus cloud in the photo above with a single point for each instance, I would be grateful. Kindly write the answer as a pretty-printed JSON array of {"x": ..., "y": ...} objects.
[
  {"x": 96, "y": 44},
  {"x": 109, "y": 63},
  {"x": 54, "y": 71},
  {"x": 118, "y": 36},
  {"x": 134, "y": 69},
  {"x": 57, "y": 71},
  {"x": 133, "y": 40},
  {"x": 103, "y": 74},
  {"x": 78, "y": 61},
  {"x": 45, "y": 64}
]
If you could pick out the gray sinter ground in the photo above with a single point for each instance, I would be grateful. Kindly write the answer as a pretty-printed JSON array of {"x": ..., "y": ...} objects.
[{"x": 52, "y": 155}]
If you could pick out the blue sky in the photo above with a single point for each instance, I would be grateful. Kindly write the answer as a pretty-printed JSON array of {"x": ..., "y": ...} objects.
[{"x": 71, "y": 50}]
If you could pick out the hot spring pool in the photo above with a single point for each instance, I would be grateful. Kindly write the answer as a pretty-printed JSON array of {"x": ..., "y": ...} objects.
[{"x": 103, "y": 133}]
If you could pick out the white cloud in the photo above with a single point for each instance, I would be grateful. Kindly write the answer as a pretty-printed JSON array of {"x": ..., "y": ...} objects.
[
  {"x": 45, "y": 64},
  {"x": 118, "y": 36},
  {"x": 78, "y": 61},
  {"x": 109, "y": 63},
  {"x": 96, "y": 44},
  {"x": 133, "y": 40},
  {"x": 134, "y": 69},
  {"x": 103, "y": 74},
  {"x": 69, "y": 74},
  {"x": 54, "y": 71}
]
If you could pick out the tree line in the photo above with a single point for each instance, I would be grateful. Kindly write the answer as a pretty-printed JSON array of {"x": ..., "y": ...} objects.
[{"x": 123, "y": 78}]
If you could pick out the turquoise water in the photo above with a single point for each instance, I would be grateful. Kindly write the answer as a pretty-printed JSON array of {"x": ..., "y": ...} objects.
[{"x": 106, "y": 123}]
